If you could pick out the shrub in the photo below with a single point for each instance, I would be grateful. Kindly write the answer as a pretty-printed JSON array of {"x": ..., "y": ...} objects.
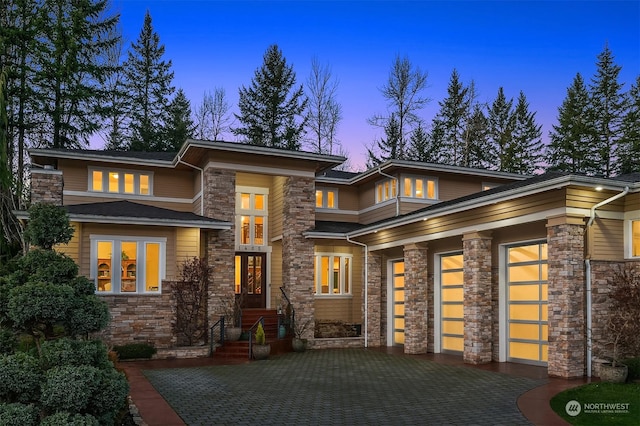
[
  {"x": 634, "y": 368},
  {"x": 88, "y": 314},
  {"x": 112, "y": 397},
  {"x": 20, "y": 376},
  {"x": 260, "y": 337},
  {"x": 8, "y": 341},
  {"x": 63, "y": 418},
  {"x": 60, "y": 352},
  {"x": 17, "y": 414},
  {"x": 44, "y": 265},
  {"x": 48, "y": 225},
  {"x": 135, "y": 350}
]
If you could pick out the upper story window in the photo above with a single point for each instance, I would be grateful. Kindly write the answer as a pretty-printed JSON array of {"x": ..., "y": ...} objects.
[
  {"x": 251, "y": 216},
  {"x": 333, "y": 274},
  {"x": 120, "y": 181},
  {"x": 386, "y": 190},
  {"x": 326, "y": 198},
  {"x": 419, "y": 187}
]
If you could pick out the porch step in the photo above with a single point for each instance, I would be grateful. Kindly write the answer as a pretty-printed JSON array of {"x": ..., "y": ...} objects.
[{"x": 250, "y": 316}]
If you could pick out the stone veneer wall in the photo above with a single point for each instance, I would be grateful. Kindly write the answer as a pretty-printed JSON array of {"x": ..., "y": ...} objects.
[
  {"x": 46, "y": 186},
  {"x": 142, "y": 318},
  {"x": 416, "y": 336},
  {"x": 478, "y": 316},
  {"x": 219, "y": 197},
  {"x": 430, "y": 312},
  {"x": 298, "y": 251},
  {"x": 495, "y": 314},
  {"x": 565, "y": 236},
  {"x": 376, "y": 323}
]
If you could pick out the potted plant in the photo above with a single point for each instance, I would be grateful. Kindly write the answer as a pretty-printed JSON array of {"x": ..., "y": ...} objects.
[
  {"x": 622, "y": 324},
  {"x": 299, "y": 343},
  {"x": 260, "y": 348}
]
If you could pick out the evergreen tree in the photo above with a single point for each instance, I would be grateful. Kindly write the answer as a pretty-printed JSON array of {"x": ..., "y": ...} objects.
[
  {"x": 70, "y": 69},
  {"x": 386, "y": 148},
  {"x": 149, "y": 85},
  {"x": 477, "y": 153},
  {"x": 629, "y": 146},
  {"x": 500, "y": 130},
  {"x": 403, "y": 93},
  {"x": 115, "y": 105},
  {"x": 422, "y": 147},
  {"x": 272, "y": 109},
  {"x": 525, "y": 150},
  {"x": 607, "y": 111},
  {"x": 570, "y": 147},
  {"x": 451, "y": 121},
  {"x": 180, "y": 126}
]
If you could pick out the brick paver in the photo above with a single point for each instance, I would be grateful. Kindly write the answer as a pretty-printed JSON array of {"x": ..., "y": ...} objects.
[{"x": 340, "y": 387}]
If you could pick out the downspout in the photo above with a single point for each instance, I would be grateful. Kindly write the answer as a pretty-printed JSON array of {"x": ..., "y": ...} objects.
[
  {"x": 201, "y": 184},
  {"x": 397, "y": 189},
  {"x": 366, "y": 289},
  {"x": 587, "y": 267}
]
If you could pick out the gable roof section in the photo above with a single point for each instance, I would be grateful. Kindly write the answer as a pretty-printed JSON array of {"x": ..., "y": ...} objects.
[{"x": 129, "y": 213}]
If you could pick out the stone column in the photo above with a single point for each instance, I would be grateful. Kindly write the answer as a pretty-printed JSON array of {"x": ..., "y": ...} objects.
[
  {"x": 376, "y": 321},
  {"x": 219, "y": 201},
  {"x": 416, "y": 328},
  {"x": 477, "y": 298},
  {"x": 565, "y": 238},
  {"x": 297, "y": 251},
  {"x": 46, "y": 186}
]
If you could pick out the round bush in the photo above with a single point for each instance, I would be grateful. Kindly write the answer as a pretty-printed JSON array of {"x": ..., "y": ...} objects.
[
  {"x": 45, "y": 265},
  {"x": 88, "y": 314},
  {"x": 61, "y": 352},
  {"x": 63, "y": 418},
  {"x": 33, "y": 304},
  {"x": 17, "y": 414},
  {"x": 20, "y": 378},
  {"x": 69, "y": 388},
  {"x": 8, "y": 341}
]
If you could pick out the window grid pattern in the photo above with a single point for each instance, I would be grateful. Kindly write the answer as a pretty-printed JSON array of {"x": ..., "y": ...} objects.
[{"x": 333, "y": 274}]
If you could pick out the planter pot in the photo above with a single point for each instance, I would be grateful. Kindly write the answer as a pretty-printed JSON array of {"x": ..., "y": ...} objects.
[
  {"x": 299, "y": 345},
  {"x": 617, "y": 374},
  {"x": 232, "y": 333},
  {"x": 261, "y": 351}
]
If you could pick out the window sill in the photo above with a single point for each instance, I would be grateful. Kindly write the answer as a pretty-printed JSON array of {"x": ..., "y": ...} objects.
[{"x": 333, "y": 296}]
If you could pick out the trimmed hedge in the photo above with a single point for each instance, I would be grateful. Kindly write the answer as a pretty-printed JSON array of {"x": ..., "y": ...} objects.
[
  {"x": 17, "y": 414},
  {"x": 135, "y": 350}
]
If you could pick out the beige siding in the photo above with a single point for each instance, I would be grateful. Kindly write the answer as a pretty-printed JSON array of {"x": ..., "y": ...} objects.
[
  {"x": 337, "y": 217},
  {"x": 276, "y": 205},
  {"x": 379, "y": 213},
  {"x": 586, "y": 199},
  {"x": 276, "y": 273},
  {"x": 70, "y": 200},
  {"x": 187, "y": 243},
  {"x": 367, "y": 196},
  {"x": 607, "y": 239},
  {"x": 73, "y": 248},
  {"x": 632, "y": 202},
  {"x": 450, "y": 188},
  {"x": 347, "y": 198},
  {"x": 252, "y": 179}
]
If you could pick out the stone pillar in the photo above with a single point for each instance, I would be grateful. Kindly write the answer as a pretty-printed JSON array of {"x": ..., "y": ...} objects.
[
  {"x": 219, "y": 201},
  {"x": 477, "y": 298},
  {"x": 46, "y": 186},
  {"x": 376, "y": 322},
  {"x": 297, "y": 251},
  {"x": 416, "y": 328},
  {"x": 565, "y": 238}
]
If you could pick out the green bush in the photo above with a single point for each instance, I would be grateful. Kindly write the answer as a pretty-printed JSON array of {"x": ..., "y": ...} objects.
[
  {"x": 20, "y": 376},
  {"x": 87, "y": 315},
  {"x": 634, "y": 368},
  {"x": 61, "y": 352},
  {"x": 17, "y": 414},
  {"x": 260, "y": 337},
  {"x": 63, "y": 418},
  {"x": 48, "y": 225},
  {"x": 112, "y": 397},
  {"x": 45, "y": 265},
  {"x": 135, "y": 350},
  {"x": 8, "y": 342}
]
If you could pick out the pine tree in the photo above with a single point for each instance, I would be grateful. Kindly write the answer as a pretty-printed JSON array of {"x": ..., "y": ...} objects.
[
  {"x": 272, "y": 109},
  {"x": 451, "y": 121},
  {"x": 477, "y": 152},
  {"x": 386, "y": 148},
  {"x": 525, "y": 150},
  {"x": 500, "y": 130},
  {"x": 115, "y": 104},
  {"x": 149, "y": 84},
  {"x": 607, "y": 110},
  {"x": 422, "y": 147},
  {"x": 70, "y": 68},
  {"x": 629, "y": 145},
  {"x": 570, "y": 147},
  {"x": 180, "y": 126}
]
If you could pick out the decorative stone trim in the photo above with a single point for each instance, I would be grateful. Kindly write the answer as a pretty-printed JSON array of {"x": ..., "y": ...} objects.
[
  {"x": 337, "y": 343},
  {"x": 416, "y": 331},
  {"x": 478, "y": 315},
  {"x": 376, "y": 317},
  {"x": 46, "y": 186}
]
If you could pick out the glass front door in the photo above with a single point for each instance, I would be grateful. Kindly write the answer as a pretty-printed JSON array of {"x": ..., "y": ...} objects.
[
  {"x": 397, "y": 279},
  {"x": 250, "y": 285},
  {"x": 452, "y": 308}
]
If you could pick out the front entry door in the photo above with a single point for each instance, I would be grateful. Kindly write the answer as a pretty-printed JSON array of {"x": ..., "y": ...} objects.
[{"x": 251, "y": 276}]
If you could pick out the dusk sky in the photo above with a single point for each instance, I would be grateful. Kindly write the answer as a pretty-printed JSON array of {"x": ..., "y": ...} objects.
[{"x": 535, "y": 46}]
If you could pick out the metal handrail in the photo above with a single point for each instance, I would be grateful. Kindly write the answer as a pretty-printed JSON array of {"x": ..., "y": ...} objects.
[
  {"x": 251, "y": 330},
  {"x": 212, "y": 342},
  {"x": 293, "y": 311}
]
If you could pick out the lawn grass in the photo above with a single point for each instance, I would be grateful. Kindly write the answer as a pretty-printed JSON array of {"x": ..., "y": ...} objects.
[{"x": 626, "y": 396}]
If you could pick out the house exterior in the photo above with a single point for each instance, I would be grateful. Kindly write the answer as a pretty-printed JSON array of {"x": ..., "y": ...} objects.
[{"x": 487, "y": 265}]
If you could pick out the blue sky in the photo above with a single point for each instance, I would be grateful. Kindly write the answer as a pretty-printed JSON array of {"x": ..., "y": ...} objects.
[{"x": 533, "y": 46}]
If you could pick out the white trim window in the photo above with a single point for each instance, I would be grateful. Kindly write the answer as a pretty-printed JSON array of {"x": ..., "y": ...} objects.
[
  {"x": 120, "y": 181},
  {"x": 420, "y": 187},
  {"x": 386, "y": 190},
  {"x": 333, "y": 274},
  {"x": 252, "y": 217},
  {"x": 128, "y": 265},
  {"x": 326, "y": 198}
]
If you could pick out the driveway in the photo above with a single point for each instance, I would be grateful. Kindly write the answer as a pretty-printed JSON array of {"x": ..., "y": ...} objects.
[{"x": 342, "y": 387}]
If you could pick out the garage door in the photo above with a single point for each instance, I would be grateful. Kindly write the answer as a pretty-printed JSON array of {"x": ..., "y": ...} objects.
[{"x": 527, "y": 314}]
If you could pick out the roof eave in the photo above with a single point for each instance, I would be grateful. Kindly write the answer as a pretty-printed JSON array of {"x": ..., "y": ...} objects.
[
  {"x": 117, "y": 220},
  {"x": 35, "y": 152}
]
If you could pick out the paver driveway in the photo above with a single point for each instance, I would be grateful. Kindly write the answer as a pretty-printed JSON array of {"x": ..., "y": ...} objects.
[{"x": 341, "y": 387}]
